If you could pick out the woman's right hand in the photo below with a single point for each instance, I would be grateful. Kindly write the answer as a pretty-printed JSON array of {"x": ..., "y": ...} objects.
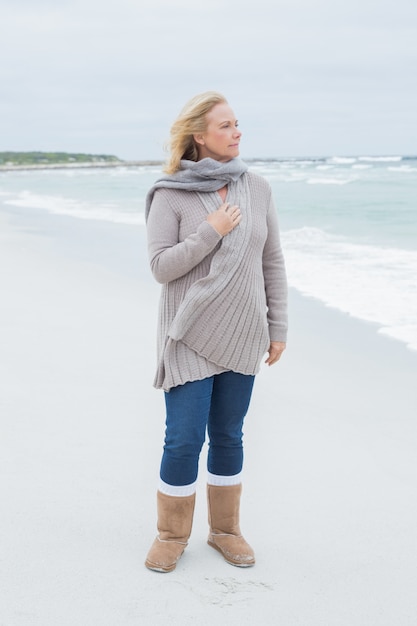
[{"x": 225, "y": 219}]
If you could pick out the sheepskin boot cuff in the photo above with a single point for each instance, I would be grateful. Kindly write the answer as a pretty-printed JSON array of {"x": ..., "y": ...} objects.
[
  {"x": 223, "y": 515},
  {"x": 175, "y": 519}
]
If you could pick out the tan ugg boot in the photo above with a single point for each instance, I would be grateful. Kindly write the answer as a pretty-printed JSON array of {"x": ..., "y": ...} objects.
[
  {"x": 225, "y": 536},
  {"x": 175, "y": 520}
]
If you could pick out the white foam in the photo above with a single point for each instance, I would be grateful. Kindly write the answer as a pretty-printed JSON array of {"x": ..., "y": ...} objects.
[
  {"x": 75, "y": 208},
  {"x": 380, "y": 159},
  {"x": 402, "y": 168},
  {"x": 368, "y": 282},
  {"x": 329, "y": 181},
  {"x": 403, "y": 334},
  {"x": 342, "y": 160}
]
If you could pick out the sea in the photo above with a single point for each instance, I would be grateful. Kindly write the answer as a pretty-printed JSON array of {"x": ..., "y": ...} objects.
[{"x": 348, "y": 224}]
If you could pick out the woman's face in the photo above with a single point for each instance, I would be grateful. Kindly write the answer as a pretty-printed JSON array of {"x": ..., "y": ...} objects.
[{"x": 221, "y": 139}]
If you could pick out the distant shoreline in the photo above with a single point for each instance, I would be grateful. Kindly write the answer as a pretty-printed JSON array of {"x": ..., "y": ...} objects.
[
  {"x": 71, "y": 166},
  {"x": 141, "y": 163},
  {"x": 159, "y": 163}
]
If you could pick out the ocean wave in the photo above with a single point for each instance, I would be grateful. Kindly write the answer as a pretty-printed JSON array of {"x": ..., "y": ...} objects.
[
  {"x": 342, "y": 160},
  {"x": 59, "y": 205},
  {"x": 402, "y": 168},
  {"x": 372, "y": 283},
  {"x": 304, "y": 162},
  {"x": 135, "y": 171},
  {"x": 329, "y": 181},
  {"x": 381, "y": 159}
]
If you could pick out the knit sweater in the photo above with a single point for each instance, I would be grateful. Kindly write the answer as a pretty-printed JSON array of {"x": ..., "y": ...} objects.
[{"x": 206, "y": 327}]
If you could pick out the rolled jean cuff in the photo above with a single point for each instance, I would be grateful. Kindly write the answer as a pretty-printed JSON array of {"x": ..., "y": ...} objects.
[{"x": 223, "y": 481}]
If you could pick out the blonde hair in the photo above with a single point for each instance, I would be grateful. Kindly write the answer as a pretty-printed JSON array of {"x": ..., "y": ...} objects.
[{"x": 190, "y": 121}]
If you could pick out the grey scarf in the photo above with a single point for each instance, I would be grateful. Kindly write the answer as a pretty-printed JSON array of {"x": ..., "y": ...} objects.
[{"x": 202, "y": 176}]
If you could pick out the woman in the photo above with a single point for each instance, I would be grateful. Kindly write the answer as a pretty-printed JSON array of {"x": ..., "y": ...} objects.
[{"x": 214, "y": 245}]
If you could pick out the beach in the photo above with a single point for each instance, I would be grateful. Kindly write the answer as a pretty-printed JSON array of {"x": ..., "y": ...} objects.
[{"x": 330, "y": 474}]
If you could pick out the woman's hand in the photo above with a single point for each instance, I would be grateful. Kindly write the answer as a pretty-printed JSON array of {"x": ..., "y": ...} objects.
[
  {"x": 225, "y": 219},
  {"x": 276, "y": 348}
]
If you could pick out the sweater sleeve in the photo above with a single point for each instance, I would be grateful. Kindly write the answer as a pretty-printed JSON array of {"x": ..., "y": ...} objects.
[
  {"x": 275, "y": 279},
  {"x": 170, "y": 258}
]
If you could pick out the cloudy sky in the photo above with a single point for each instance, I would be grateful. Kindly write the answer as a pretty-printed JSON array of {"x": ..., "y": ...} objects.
[{"x": 305, "y": 77}]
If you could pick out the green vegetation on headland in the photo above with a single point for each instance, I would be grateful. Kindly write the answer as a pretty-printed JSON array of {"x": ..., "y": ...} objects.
[
  {"x": 54, "y": 158},
  {"x": 57, "y": 160}
]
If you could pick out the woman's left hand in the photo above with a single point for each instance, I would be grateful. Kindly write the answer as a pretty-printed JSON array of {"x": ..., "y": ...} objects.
[{"x": 276, "y": 348}]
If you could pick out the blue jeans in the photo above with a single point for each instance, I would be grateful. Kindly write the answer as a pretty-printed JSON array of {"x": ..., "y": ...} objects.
[{"x": 218, "y": 404}]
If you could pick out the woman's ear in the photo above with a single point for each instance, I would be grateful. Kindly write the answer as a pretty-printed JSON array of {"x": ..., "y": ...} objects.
[{"x": 199, "y": 139}]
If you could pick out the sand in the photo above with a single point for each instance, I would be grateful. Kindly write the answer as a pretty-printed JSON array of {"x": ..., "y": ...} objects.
[{"x": 330, "y": 474}]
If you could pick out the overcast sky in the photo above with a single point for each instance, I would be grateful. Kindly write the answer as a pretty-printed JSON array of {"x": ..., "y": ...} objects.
[{"x": 304, "y": 77}]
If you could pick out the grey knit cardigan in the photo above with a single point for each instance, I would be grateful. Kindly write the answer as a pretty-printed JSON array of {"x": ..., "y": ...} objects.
[{"x": 221, "y": 302}]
